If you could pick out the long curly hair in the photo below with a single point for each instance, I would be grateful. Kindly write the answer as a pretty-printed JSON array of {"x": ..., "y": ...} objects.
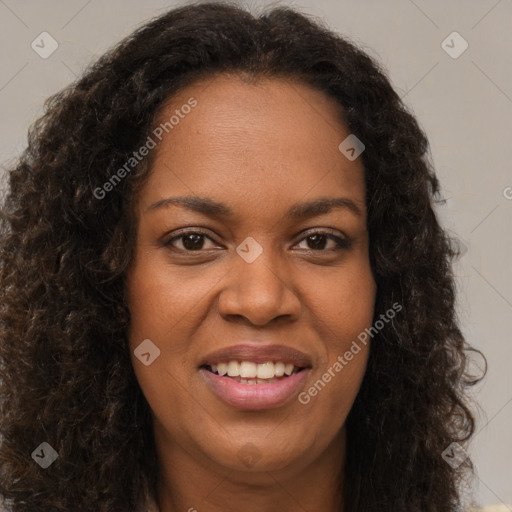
[{"x": 66, "y": 373}]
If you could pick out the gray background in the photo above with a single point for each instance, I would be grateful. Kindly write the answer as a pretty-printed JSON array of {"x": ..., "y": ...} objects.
[{"x": 464, "y": 104}]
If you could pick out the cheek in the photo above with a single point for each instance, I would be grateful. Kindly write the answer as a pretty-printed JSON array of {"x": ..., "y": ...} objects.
[
  {"x": 333, "y": 390},
  {"x": 160, "y": 306},
  {"x": 343, "y": 311},
  {"x": 345, "y": 303},
  {"x": 359, "y": 289},
  {"x": 161, "y": 296}
]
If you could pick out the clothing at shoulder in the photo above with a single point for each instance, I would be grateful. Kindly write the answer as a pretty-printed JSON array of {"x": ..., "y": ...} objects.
[
  {"x": 492, "y": 508},
  {"x": 151, "y": 506}
]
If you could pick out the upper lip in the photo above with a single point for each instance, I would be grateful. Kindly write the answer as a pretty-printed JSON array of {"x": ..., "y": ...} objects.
[{"x": 258, "y": 353}]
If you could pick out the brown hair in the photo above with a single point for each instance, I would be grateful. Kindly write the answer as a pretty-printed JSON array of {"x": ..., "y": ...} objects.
[{"x": 67, "y": 377}]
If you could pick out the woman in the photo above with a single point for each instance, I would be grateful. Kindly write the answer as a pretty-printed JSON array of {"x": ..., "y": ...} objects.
[{"x": 224, "y": 286}]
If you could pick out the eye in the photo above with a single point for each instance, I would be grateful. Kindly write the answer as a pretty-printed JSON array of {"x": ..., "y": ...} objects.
[
  {"x": 318, "y": 240},
  {"x": 190, "y": 241},
  {"x": 194, "y": 241}
]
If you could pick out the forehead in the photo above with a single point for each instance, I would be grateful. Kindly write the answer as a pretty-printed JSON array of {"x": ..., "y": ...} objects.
[{"x": 269, "y": 140}]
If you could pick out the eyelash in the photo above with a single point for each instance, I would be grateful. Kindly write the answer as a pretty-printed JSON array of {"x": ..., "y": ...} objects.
[{"x": 342, "y": 243}]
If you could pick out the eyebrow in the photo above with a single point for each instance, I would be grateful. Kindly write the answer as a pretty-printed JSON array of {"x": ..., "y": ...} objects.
[{"x": 214, "y": 208}]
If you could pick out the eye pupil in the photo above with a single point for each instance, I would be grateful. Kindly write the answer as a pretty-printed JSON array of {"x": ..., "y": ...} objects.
[
  {"x": 196, "y": 238},
  {"x": 315, "y": 239}
]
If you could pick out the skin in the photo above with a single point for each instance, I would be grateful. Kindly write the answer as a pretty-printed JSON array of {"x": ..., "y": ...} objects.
[{"x": 258, "y": 147}]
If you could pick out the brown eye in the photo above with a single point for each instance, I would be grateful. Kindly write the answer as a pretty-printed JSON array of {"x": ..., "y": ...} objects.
[
  {"x": 318, "y": 240},
  {"x": 190, "y": 241},
  {"x": 194, "y": 241}
]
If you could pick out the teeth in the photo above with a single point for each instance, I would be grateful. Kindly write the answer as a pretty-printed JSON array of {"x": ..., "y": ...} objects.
[
  {"x": 279, "y": 369},
  {"x": 254, "y": 381},
  {"x": 222, "y": 368},
  {"x": 233, "y": 369},
  {"x": 249, "y": 372},
  {"x": 266, "y": 370}
]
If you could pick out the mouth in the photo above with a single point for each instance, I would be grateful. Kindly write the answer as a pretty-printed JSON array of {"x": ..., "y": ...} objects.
[
  {"x": 250, "y": 386},
  {"x": 252, "y": 373},
  {"x": 255, "y": 376}
]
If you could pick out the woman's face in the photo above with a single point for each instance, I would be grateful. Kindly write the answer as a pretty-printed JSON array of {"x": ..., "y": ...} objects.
[{"x": 262, "y": 279}]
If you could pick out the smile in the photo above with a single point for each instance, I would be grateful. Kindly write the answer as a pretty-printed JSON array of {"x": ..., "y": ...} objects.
[
  {"x": 248, "y": 372},
  {"x": 254, "y": 386}
]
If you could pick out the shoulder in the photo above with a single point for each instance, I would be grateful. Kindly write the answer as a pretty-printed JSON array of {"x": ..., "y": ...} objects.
[{"x": 492, "y": 508}]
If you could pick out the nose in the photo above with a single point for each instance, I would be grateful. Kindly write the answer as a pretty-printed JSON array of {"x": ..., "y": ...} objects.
[{"x": 260, "y": 291}]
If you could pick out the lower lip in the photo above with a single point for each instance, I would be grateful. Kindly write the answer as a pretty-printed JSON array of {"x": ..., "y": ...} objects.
[{"x": 255, "y": 396}]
